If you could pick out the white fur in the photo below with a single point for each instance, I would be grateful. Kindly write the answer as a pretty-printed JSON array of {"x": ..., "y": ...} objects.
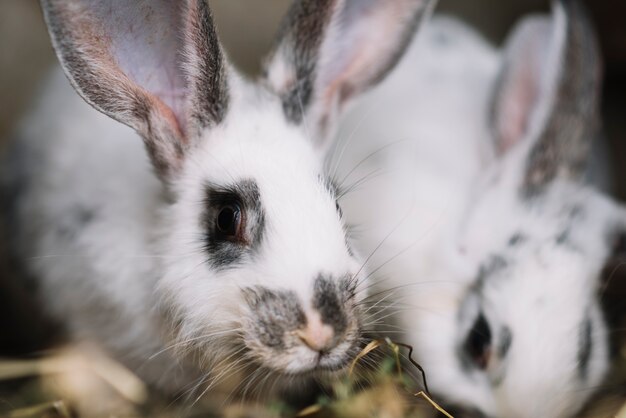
[{"x": 444, "y": 205}]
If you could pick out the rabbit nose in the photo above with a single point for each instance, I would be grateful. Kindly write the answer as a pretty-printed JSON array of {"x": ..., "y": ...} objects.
[{"x": 317, "y": 335}]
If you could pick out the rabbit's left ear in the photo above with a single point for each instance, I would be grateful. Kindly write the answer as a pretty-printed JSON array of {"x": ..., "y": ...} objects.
[
  {"x": 547, "y": 95},
  {"x": 328, "y": 51},
  {"x": 154, "y": 65}
]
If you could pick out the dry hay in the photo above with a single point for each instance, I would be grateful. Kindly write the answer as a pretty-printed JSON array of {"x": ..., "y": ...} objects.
[{"x": 382, "y": 382}]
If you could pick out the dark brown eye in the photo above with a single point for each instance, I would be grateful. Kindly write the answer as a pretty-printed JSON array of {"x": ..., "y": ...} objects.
[
  {"x": 228, "y": 221},
  {"x": 478, "y": 342}
]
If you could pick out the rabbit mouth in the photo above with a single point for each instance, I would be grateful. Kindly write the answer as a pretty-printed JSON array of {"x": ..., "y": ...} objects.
[
  {"x": 299, "y": 360},
  {"x": 324, "y": 364},
  {"x": 335, "y": 363}
]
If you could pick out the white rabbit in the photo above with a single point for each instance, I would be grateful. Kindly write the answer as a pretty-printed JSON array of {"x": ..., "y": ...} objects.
[
  {"x": 226, "y": 253},
  {"x": 491, "y": 245}
]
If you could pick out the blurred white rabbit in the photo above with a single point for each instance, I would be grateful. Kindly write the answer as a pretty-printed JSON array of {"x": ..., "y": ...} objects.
[{"x": 486, "y": 240}]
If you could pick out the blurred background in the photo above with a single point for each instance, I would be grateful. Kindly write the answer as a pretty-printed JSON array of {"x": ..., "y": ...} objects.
[{"x": 246, "y": 28}]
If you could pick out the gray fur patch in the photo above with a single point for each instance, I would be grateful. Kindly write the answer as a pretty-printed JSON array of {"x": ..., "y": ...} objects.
[
  {"x": 516, "y": 239},
  {"x": 488, "y": 269},
  {"x": 565, "y": 237},
  {"x": 585, "y": 345},
  {"x": 506, "y": 339},
  {"x": 74, "y": 220},
  {"x": 276, "y": 312},
  {"x": 330, "y": 299}
]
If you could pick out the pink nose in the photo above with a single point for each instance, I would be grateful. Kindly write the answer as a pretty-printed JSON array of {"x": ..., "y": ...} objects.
[{"x": 317, "y": 335}]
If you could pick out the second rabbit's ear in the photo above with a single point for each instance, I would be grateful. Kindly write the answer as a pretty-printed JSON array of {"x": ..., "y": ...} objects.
[
  {"x": 547, "y": 95},
  {"x": 154, "y": 65},
  {"x": 328, "y": 51}
]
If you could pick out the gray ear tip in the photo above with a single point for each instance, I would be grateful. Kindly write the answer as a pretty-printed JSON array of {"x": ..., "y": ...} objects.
[{"x": 573, "y": 10}]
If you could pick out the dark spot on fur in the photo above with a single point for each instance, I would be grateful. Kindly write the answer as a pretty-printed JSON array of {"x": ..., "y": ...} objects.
[
  {"x": 330, "y": 185},
  {"x": 488, "y": 269},
  {"x": 276, "y": 312},
  {"x": 349, "y": 246},
  {"x": 516, "y": 239},
  {"x": 85, "y": 216},
  {"x": 563, "y": 236},
  {"x": 506, "y": 339},
  {"x": 585, "y": 346},
  {"x": 576, "y": 212},
  {"x": 329, "y": 299},
  {"x": 75, "y": 219},
  {"x": 223, "y": 252}
]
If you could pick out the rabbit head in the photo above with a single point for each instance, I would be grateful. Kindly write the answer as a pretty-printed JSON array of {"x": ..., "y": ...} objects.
[
  {"x": 529, "y": 338},
  {"x": 253, "y": 261}
]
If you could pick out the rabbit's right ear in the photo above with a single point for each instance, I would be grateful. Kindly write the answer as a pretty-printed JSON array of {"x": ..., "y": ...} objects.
[
  {"x": 547, "y": 95},
  {"x": 329, "y": 51},
  {"x": 154, "y": 65}
]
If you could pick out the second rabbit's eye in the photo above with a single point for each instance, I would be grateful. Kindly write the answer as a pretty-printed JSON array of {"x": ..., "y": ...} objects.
[
  {"x": 229, "y": 221},
  {"x": 478, "y": 342}
]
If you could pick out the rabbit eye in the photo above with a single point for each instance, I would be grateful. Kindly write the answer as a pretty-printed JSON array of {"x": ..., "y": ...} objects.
[
  {"x": 478, "y": 342},
  {"x": 229, "y": 221}
]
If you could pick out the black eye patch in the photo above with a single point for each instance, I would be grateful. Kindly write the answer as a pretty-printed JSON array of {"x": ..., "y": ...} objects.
[
  {"x": 233, "y": 222},
  {"x": 477, "y": 344}
]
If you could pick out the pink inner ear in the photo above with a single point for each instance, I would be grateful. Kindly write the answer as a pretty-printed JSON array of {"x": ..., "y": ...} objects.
[
  {"x": 168, "y": 115},
  {"x": 520, "y": 89},
  {"x": 354, "y": 53},
  {"x": 147, "y": 48},
  {"x": 515, "y": 110}
]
